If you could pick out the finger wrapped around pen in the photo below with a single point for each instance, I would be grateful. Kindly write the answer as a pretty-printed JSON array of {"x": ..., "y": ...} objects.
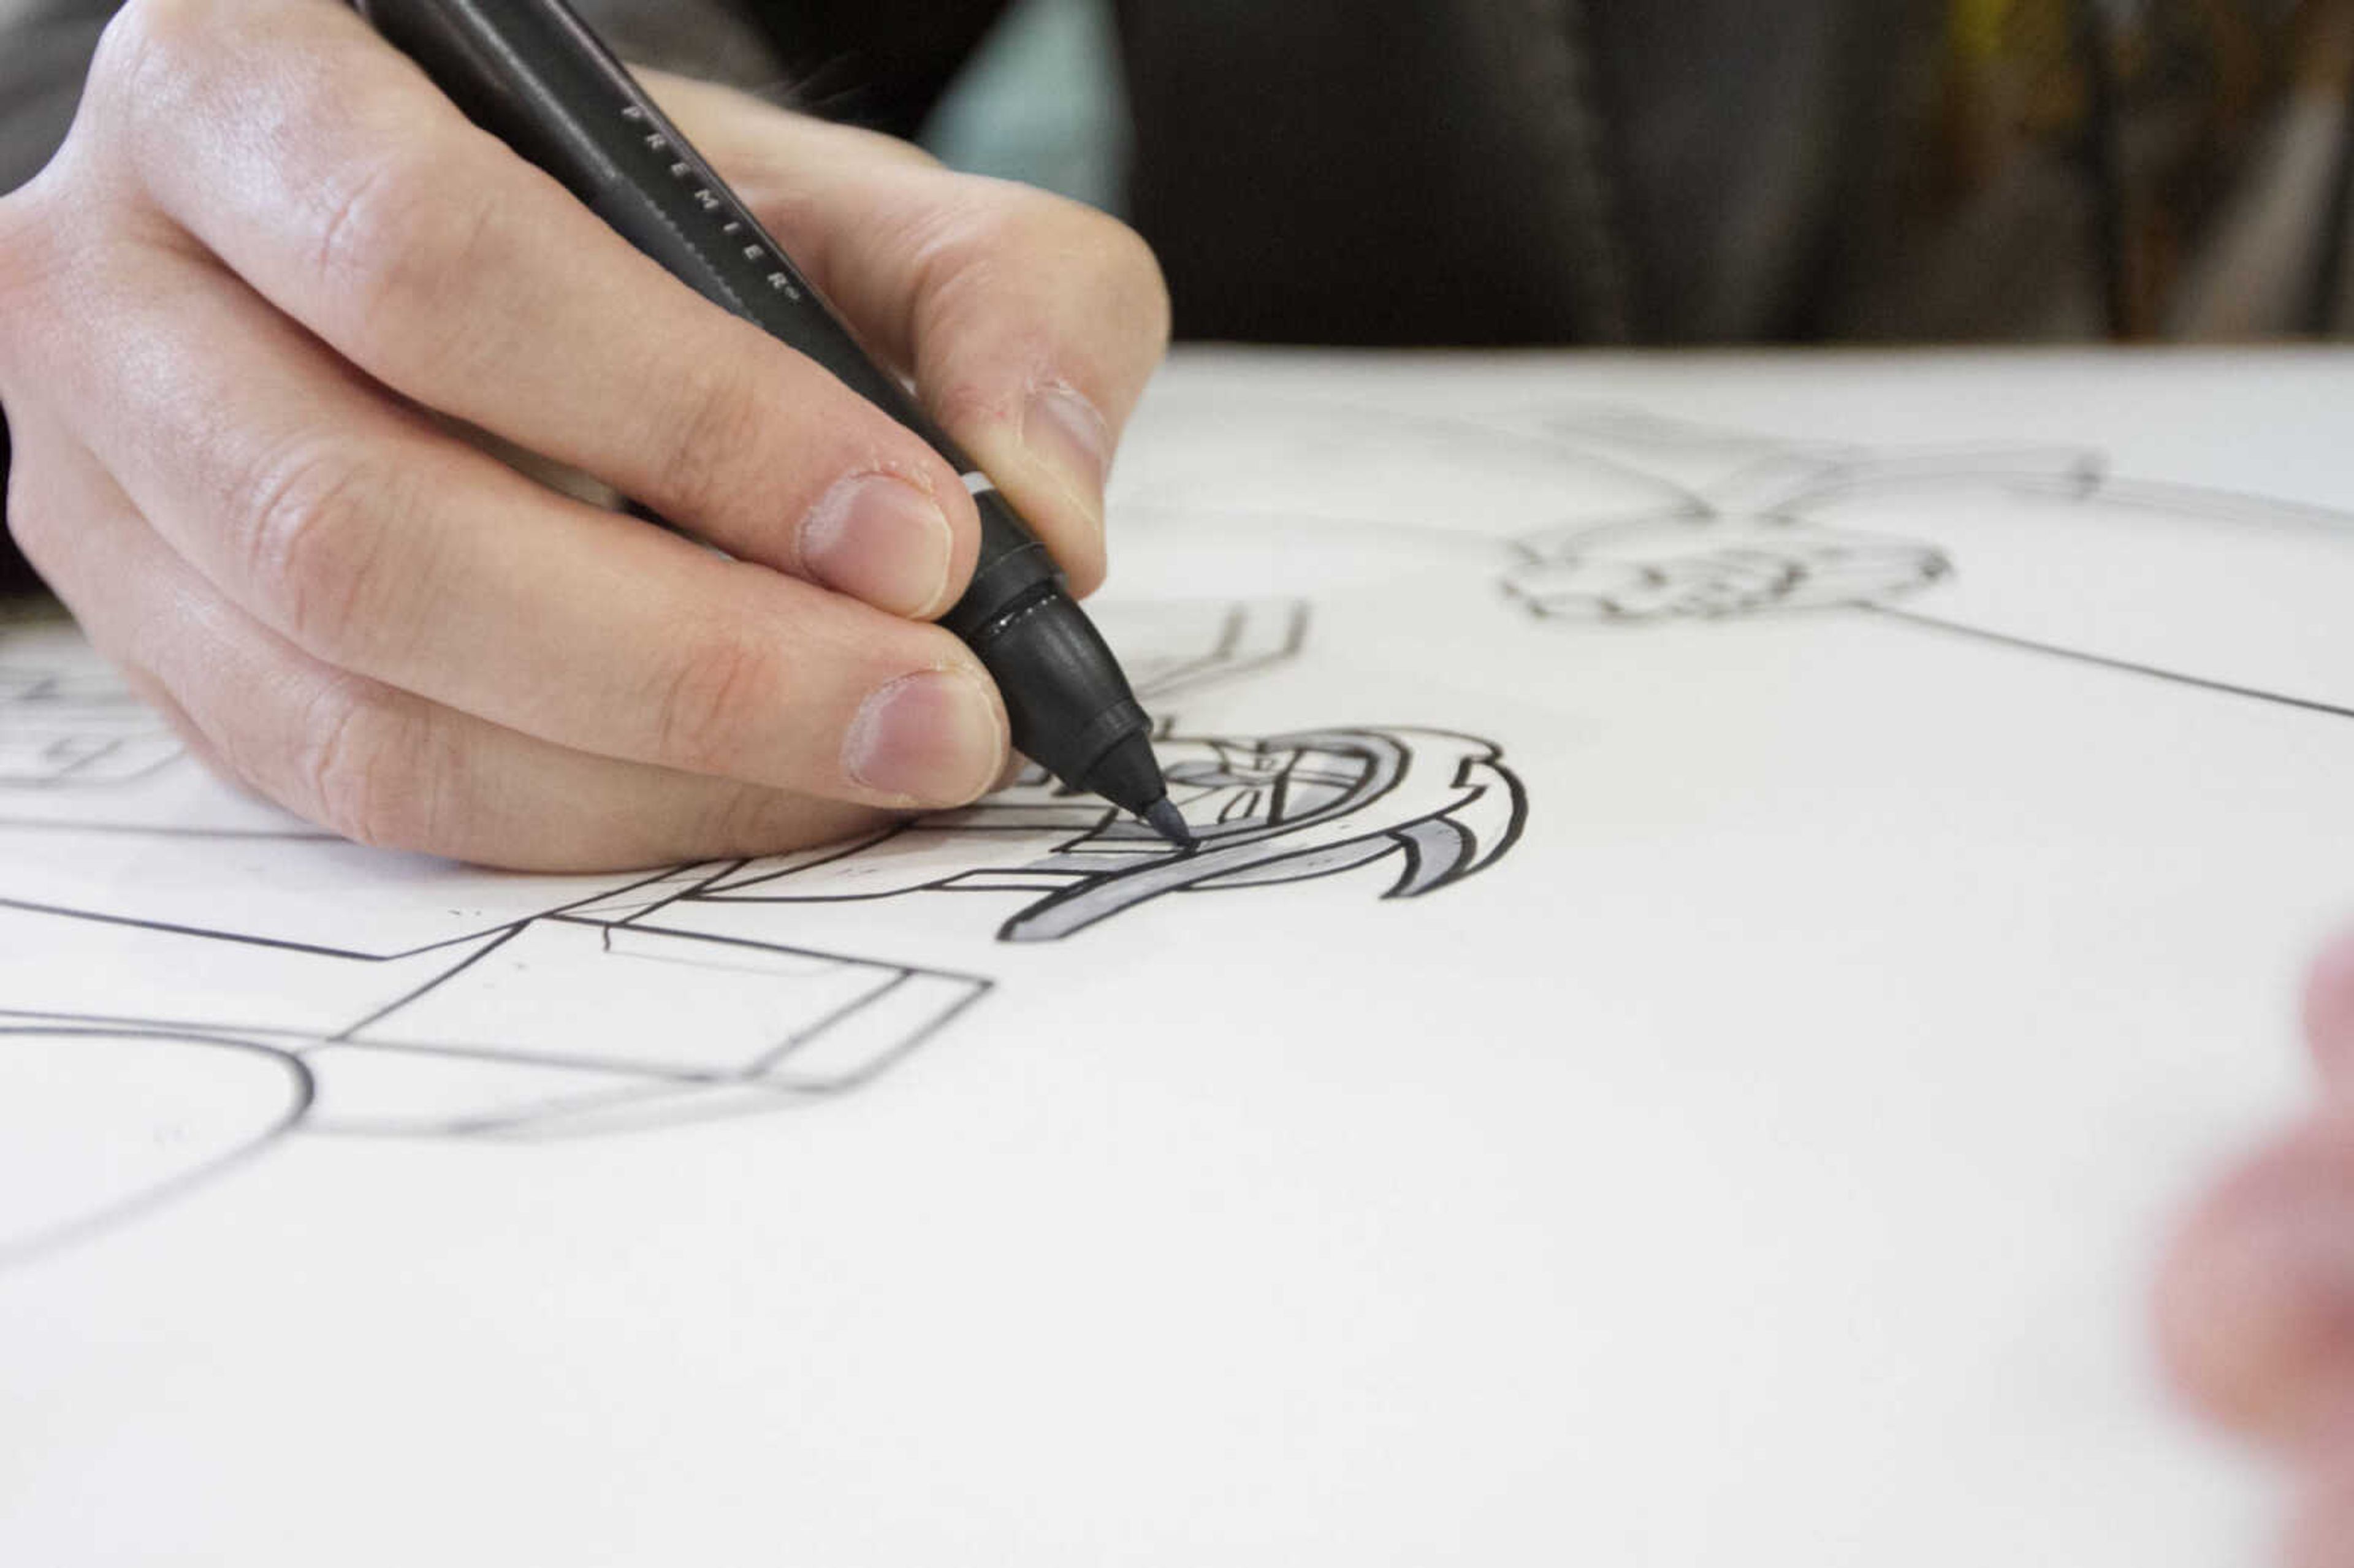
[
  {"x": 1030, "y": 322},
  {"x": 377, "y": 545},
  {"x": 373, "y": 763},
  {"x": 360, "y": 202}
]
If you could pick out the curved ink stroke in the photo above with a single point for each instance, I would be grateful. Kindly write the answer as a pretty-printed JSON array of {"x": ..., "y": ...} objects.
[
  {"x": 1267, "y": 811},
  {"x": 299, "y": 1090}
]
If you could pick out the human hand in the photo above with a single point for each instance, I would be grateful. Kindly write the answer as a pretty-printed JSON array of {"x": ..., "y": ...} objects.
[
  {"x": 2257, "y": 1304},
  {"x": 273, "y": 269}
]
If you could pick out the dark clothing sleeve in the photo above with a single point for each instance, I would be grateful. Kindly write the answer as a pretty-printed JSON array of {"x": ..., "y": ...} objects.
[
  {"x": 882, "y": 64},
  {"x": 45, "y": 50},
  {"x": 15, "y": 577}
]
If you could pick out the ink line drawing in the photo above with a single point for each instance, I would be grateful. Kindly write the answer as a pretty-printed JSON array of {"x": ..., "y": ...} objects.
[
  {"x": 508, "y": 1009},
  {"x": 411, "y": 1019},
  {"x": 573, "y": 1023},
  {"x": 211, "y": 1104},
  {"x": 1267, "y": 811}
]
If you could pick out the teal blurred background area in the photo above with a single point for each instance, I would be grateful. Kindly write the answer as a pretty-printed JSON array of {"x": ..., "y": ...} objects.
[{"x": 1042, "y": 103}]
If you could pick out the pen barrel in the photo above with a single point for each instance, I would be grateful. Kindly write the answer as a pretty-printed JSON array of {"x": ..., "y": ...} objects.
[
  {"x": 532, "y": 74},
  {"x": 1066, "y": 703}
]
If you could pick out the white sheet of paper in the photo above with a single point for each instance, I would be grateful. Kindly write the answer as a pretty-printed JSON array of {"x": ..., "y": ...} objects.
[{"x": 1741, "y": 894}]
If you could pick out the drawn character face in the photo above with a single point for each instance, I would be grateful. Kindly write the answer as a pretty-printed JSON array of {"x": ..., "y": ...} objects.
[
  {"x": 1280, "y": 810},
  {"x": 1709, "y": 569}
]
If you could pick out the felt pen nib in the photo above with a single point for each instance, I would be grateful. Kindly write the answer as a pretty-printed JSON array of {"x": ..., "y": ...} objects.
[
  {"x": 1169, "y": 822},
  {"x": 1129, "y": 776}
]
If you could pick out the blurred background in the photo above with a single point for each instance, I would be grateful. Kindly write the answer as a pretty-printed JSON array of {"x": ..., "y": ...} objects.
[
  {"x": 1490, "y": 172},
  {"x": 1041, "y": 101},
  {"x": 1672, "y": 171}
]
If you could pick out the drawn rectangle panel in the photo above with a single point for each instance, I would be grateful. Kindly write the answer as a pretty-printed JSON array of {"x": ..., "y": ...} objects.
[{"x": 625, "y": 997}]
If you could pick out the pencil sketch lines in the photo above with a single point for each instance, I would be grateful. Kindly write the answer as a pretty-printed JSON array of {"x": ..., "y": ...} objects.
[
  {"x": 1707, "y": 567},
  {"x": 1251, "y": 637},
  {"x": 2034, "y": 549},
  {"x": 1745, "y": 536},
  {"x": 60, "y": 728}
]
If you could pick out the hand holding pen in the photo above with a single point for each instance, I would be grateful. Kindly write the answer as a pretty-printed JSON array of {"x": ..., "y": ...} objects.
[{"x": 273, "y": 269}]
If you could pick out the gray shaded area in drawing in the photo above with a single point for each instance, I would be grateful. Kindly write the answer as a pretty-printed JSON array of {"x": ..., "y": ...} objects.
[
  {"x": 1688, "y": 567},
  {"x": 1741, "y": 532},
  {"x": 1265, "y": 811}
]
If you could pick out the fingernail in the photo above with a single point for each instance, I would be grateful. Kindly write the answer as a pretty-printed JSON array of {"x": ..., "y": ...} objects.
[
  {"x": 931, "y": 739},
  {"x": 1062, "y": 431},
  {"x": 879, "y": 539}
]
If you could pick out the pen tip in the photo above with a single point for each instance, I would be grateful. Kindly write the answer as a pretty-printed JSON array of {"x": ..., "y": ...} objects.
[{"x": 1169, "y": 823}]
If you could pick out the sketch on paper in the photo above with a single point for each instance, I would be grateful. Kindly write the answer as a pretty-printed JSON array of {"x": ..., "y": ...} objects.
[
  {"x": 328, "y": 990},
  {"x": 571, "y": 1022},
  {"x": 67, "y": 729},
  {"x": 1265, "y": 811},
  {"x": 2037, "y": 548},
  {"x": 325, "y": 997},
  {"x": 1608, "y": 517}
]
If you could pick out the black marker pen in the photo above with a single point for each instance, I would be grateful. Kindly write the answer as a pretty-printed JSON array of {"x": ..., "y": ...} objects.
[{"x": 532, "y": 73}]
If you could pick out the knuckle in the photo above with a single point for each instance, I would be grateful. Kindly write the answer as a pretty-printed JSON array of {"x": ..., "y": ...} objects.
[
  {"x": 721, "y": 417},
  {"x": 394, "y": 238},
  {"x": 366, "y": 770},
  {"x": 34, "y": 522},
  {"x": 45, "y": 523},
  {"x": 1095, "y": 257},
  {"x": 36, "y": 528},
  {"x": 151, "y": 35},
  {"x": 1117, "y": 268},
  {"x": 313, "y": 552},
  {"x": 751, "y": 820},
  {"x": 962, "y": 238},
  {"x": 713, "y": 698},
  {"x": 18, "y": 266},
  {"x": 1132, "y": 274},
  {"x": 154, "y": 58},
  {"x": 975, "y": 401}
]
